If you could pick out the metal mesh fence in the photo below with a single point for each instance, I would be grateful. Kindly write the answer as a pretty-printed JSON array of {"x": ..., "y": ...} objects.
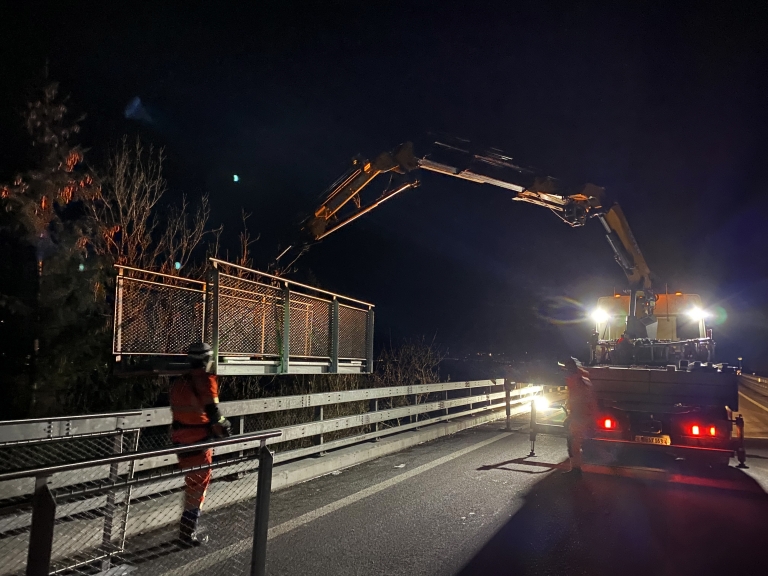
[
  {"x": 22, "y": 455},
  {"x": 125, "y": 524},
  {"x": 250, "y": 317},
  {"x": 158, "y": 317},
  {"x": 310, "y": 327},
  {"x": 353, "y": 324}
]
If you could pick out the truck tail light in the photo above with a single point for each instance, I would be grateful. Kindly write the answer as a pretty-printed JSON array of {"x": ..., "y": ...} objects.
[
  {"x": 609, "y": 424},
  {"x": 712, "y": 431},
  {"x": 695, "y": 430}
]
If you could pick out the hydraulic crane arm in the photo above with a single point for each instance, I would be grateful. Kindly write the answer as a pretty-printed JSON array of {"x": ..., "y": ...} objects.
[{"x": 573, "y": 206}]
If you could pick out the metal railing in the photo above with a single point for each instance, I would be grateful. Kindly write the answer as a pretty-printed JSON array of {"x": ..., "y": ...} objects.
[
  {"x": 60, "y": 530},
  {"x": 132, "y": 491},
  {"x": 257, "y": 323}
]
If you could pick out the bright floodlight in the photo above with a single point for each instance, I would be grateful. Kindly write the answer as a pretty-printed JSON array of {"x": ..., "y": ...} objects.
[
  {"x": 600, "y": 316},
  {"x": 541, "y": 404},
  {"x": 698, "y": 314}
]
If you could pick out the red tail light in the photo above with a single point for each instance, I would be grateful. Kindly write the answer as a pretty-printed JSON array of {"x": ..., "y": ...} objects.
[
  {"x": 608, "y": 424},
  {"x": 695, "y": 430},
  {"x": 712, "y": 431}
]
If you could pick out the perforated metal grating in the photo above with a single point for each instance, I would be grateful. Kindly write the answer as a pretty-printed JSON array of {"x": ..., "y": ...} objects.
[
  {"x": 158, "y": 318},
  {"x": 241, "y": 313},
  {"x": 310, "y": 329},
  {"x": 353, "y": 328},
  {"x": 250, "y": 317}
]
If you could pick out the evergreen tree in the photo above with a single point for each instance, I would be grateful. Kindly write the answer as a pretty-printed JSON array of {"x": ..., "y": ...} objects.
[{"x": 57, "y": 314}]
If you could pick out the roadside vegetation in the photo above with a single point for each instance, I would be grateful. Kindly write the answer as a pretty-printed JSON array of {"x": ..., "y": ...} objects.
[{"x": 65, "y": 222}]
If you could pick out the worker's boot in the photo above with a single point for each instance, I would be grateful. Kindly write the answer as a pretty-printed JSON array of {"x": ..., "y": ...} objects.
[
  {"x": 188, "y": 534},
  {"x": 574, "y": 472}
]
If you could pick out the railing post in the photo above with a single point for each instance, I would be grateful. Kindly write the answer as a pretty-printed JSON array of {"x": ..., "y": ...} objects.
[
  {"x": 118, "y": 328},
  {"x": 215, "y": 317},
  {"x": 286, "y": 350},
  {"x": 41, "y": 534},
  {"x": 129, "y": 491},
  {"x": 261, "y": 521},
  {"x": 206, "y": 336},
  {"x": 111, "y": 505},
  {"x": 532, "y": 436},
  {"x": 334, "y": 336},
  {"x": 369, "y": 342}
]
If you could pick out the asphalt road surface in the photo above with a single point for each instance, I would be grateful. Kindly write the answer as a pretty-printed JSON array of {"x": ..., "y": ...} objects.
[{"x": 475, "y": 503}]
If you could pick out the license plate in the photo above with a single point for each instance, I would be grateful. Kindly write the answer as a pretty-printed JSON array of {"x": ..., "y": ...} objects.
[{"x": 663, "y": 440}]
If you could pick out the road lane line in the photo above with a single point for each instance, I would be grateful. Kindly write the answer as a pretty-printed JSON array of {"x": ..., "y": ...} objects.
[
  {"x": 209, "y": 560},
  {"x": 281, "y": 529},
  {"x": 755, "y": 402}
]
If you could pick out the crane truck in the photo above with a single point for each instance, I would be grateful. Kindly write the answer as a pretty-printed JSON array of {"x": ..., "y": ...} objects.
[{"x": 651, "y": 359}]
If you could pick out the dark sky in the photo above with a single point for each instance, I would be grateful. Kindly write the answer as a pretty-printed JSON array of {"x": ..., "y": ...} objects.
[{"x": 664, "y": 105}]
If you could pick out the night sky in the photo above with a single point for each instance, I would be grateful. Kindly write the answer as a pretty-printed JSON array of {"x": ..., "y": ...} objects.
[{"x": 664, "y": 106}]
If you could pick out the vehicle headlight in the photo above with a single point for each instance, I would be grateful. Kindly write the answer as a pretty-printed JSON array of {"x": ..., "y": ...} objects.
[
  {"x": 541, "y": 404},
  {"x": 600, "y": 316},
  {"x": 697, "y": 314}
]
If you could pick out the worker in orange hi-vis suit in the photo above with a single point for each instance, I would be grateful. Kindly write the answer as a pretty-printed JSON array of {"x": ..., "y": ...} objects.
[
  {"x": 582, "y": 410},
  {"x": 195, "y": 406}
]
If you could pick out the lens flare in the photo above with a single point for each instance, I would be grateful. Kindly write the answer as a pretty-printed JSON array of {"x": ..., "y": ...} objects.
[{"x": 562, "y": 310}]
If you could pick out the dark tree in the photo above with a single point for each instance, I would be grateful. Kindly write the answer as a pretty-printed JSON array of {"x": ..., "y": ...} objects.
[{"x": 53, "y": 289}]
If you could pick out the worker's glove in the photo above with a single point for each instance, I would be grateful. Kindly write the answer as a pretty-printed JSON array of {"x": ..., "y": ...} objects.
[
  {"x": 220, "y": 426},
  {"x": 222, "y": 429}
]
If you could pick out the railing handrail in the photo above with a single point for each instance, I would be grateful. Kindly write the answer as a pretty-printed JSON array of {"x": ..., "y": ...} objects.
[
  {"x": 77, "y": 417},
  {"x": 282, "y": 279},
  {"x": 128, "y": 456},
  {"x": 143, "y": 271}
]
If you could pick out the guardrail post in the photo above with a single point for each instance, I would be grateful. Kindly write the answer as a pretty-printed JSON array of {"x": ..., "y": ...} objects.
[
  {"x": 261, "y": 521},
  {"x": 508, "y": 390},
  {"x": 41, "y": 533},
  {"x": 286, "y": 349},
  {"x": 215, "y": 317},
  {"x": 319, "y": 438},
  {"x": 373, "y": 406},
  {"x": 334, "y": 336},
  {"x": 369, "y": 342}
]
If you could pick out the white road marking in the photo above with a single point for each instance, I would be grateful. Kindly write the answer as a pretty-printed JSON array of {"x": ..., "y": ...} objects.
[
  {"x": 209, "y": 560},
  {"x": 755, "y": 402}
]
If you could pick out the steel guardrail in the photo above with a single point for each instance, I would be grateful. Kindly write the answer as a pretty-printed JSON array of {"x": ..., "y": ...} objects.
[{"x": 144, "y": 484}]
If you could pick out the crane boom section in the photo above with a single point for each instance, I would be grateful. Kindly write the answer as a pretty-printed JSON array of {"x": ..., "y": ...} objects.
[
  {"x": 573, "y": 206},
  {"x": 637, "y": 271}
]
